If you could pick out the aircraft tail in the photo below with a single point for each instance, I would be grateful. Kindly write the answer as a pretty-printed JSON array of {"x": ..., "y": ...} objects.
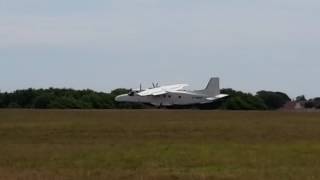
[{"x": 213, "y": 88}]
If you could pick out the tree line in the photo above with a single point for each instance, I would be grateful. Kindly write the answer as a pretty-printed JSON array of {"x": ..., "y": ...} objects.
[{"x": 54, "y": 98}]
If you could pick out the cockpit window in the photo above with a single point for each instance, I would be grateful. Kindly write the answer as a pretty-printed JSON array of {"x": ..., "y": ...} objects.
[{"x": 131, "y": 93}]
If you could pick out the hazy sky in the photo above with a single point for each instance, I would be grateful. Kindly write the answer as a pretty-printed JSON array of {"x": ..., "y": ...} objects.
[{"x": 106, "y": 44}]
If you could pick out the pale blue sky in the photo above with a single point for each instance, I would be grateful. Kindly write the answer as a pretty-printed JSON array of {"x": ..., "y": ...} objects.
[{"x": 105, "y": 44}]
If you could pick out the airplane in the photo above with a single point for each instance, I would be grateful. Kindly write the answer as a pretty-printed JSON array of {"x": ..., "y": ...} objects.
[{"x": 174, "y": 95}]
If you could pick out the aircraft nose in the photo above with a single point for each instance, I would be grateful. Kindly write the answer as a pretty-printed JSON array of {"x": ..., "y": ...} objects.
[{"x": 121, "y": 98}]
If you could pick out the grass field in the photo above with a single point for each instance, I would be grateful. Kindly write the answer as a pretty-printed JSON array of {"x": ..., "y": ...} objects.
[{"x": 155, "y": 144}]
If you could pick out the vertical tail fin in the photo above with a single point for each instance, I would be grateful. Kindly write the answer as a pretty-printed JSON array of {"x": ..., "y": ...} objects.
[{"x": 213, "y": 87}]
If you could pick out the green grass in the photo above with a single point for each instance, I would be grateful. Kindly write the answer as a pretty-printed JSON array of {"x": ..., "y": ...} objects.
[{"x": 152, "y": 144}]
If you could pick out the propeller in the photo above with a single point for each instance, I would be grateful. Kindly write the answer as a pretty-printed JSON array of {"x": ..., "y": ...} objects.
[{"x": 155, "y": 85}]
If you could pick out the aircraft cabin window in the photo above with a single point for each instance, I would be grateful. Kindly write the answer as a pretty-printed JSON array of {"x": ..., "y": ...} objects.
[
  {"x": 169, "y": 96},
  {"x": 179, "y": 97}
]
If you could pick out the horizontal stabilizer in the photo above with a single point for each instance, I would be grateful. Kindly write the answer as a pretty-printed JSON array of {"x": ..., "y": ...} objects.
[
  {"x": 221, "y": 96},
  {"x": 217, "y": 97}
]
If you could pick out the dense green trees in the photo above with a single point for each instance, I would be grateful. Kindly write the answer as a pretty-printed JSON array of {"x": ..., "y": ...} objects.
[
  {"x": 313, "y": 103},
  {"x": 1, "y": 100},
  {"x": 273, "y": 100},
  {"x": 57, "y": 98},
  {"x": 242, "y": 101},
  {"x": 53, "y": 98}
]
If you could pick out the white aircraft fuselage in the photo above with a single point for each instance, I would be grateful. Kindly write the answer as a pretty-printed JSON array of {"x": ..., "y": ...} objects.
[{"x": 174, "y": 95}]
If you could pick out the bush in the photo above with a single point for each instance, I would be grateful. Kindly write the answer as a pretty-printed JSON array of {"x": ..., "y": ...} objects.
[{"x": 273, "y": 100}]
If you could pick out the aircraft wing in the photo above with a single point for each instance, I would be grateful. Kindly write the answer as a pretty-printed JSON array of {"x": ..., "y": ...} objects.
[
  {"x": 162, "y": 90},
  {"x": 152, "y": 92},
  {"x": 175, "y": 87}
]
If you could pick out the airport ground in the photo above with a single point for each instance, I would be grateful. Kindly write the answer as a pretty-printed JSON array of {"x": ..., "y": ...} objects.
[{"x": 159, "y": 144}]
